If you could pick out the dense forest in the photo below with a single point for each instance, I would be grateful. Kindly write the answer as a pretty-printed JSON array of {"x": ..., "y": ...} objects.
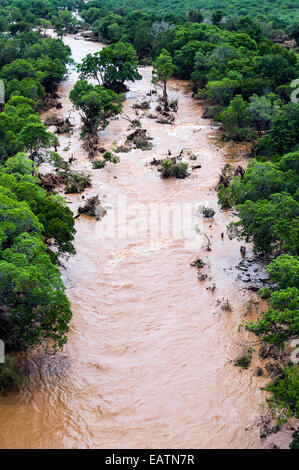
[{"x": 240, "y": 59}]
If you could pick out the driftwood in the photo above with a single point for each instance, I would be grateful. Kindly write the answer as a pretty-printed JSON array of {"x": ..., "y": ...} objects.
[
  {"x": 139, "y": 139},
  {"x": 91, "y": 207}
]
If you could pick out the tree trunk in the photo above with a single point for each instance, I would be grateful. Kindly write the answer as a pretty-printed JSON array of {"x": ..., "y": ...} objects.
[{"x": 165, "y": 97}]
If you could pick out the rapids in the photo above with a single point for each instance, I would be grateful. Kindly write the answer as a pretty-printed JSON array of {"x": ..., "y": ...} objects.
[{"x": 149, "y": 358}]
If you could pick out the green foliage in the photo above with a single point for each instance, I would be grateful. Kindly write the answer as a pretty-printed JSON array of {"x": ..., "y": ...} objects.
[
  {"x": 269, "y": 224},
  {"x": 96, "y": 104},
  {"x": 98, "y": 164},
  {"x": 34, "y": 136},
  {"x": 244, "y": 360},
  {"x": 282, "y": 136},
  {"x": 281, "y": 321},
  {"x": 295, "y": 441},
  {"x": 10, "y": 374},
  {"x": 284, "y": 271},
  {"x": 267, "y": 205},
  {"x": 169, "y": 168},
  {"x": 236, "y": 120},
  {"x": 31, "y": 291},
  {"x": 208, "y": 212},
  {"x": 163, "y": 69},
  {"x": 34, "y": 310},
  {"x": 112, "y": 66},
  {"x": 284, "y": 399},
  {"x": 74, "y": 182}
]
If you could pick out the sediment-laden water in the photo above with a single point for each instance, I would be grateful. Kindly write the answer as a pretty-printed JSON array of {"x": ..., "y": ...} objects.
[{"x": 149, "y": 358}]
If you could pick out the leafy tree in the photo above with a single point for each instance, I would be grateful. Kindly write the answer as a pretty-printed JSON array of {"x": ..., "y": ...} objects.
[
  {"x": 17, "y": 69},
  {"x": 163, "y": 69},
  {"x": 222, "y": 91},
  {"x": 20, "y": 164},
  {"x": 34, "y": 308},
  {"x": 282, "y": 136},
  {"x": 112, "y": 66},
  {"x": 195, "y": 16},
  {"x": 96, "y": 105},
  {"x": 52, "y": 212},
  {"x": 236, "y": 119},
  {"x": 284, "y": 271},
  {"x": 49, "y": 72},
  {"x": 281, "y": 321}
]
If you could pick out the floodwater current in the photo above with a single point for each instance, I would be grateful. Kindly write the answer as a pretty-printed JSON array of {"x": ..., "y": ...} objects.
[{"x": 149, "y": 358}]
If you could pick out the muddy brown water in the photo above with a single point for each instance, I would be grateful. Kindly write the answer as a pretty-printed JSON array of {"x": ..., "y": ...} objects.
[{"x": 148, "y": 362}]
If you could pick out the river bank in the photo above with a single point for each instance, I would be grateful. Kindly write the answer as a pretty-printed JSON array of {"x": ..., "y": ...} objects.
[{"x": 149, "y": 358}]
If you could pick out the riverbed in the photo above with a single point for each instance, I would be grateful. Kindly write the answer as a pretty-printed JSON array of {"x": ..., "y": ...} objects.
[{"x": 149, "y": 358}]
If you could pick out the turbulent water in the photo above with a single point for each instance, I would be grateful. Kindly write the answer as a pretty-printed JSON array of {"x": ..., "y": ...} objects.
[{"x": 149, "y": 358}]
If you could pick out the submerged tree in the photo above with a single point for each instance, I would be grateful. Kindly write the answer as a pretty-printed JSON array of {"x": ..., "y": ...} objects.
[
  {"x": 96, "y": 105},
  {"x": 34, "y": 136},
  {"x": 163, "y": 69},
  {"x": 112, "y": 66}
]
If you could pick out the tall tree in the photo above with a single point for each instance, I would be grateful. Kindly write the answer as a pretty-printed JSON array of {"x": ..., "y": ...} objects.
[
  {"x": 96, "y": 105},
  {"x": 112, "y": 66},
  {"x": 163, "y": 69}
]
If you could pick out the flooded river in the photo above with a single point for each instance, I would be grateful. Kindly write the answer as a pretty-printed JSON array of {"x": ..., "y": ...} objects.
[{"x": 149, "y": 358}]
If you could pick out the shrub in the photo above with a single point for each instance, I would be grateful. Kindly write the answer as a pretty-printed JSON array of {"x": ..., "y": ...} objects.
[
  {"x": 295, "y": 442},
  {"x": 208, "y": 212},
  {"x": 75, "y": 182}
]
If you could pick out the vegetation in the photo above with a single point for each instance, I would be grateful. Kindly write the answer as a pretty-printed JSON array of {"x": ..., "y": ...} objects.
[
  {"x": 112, "y": 66},
  {"x": 170, "y": 168},
  {"x": 145, "y": 24},
  {"x": 96, "y": 104},
  {"x": 244, "y": 360},
  {"x": 284, "y": 399},
  {"x": 34, "y": 309},
  {"x": 229, "y": 56},
  {"x": 163, "y": 69},
  {"x": 10, "y": 374}
]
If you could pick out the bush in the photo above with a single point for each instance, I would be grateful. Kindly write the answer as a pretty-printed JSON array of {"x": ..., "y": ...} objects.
[
  {"x": 98, "y": 164},
  {"x": 212, "y": 112},
  {"x": 198, "y": 263},
  {"x": 75, "y": 182},
  {"x": 10, "y": 374},
  {"x": 285, "y": 395},
  {"x": 208, "y": 212}
]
